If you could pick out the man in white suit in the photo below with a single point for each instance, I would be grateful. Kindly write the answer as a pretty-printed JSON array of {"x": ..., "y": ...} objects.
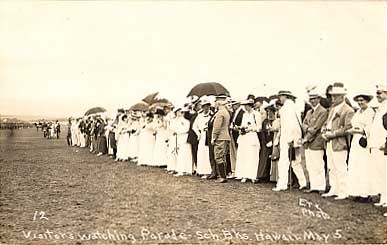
[{"x": 290, "y": 136}]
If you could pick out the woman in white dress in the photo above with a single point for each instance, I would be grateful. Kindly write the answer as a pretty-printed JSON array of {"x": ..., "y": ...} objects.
[
  {"x": 359, "y": 175},
  {"x": 248, "y": 144},
  {"x": 160, "y": 157},
  {"x": 184, "y": 164},
  {"x": 200, "y": 128},
  {"x": 81, "y": 135},
  {"x": 147, "y": 141},
  {"x": 170, "y": 119},
  {"x": 74, "y": 132},
  {"x": 123, "y": 139},
  {"x": 134, "y": 130}
]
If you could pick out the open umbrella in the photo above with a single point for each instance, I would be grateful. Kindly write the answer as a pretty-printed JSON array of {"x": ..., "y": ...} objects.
[
  {"x": 95, "y": 110},
  {"x": 208, "y": 89},
  {"x": 141, "y": 106},
  {"x": 150, "y": 98}
]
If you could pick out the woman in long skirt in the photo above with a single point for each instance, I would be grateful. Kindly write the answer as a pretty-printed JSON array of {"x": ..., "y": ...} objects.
[
  {"x": 170, "y": 119},
  {"x": 248, "y": 144},
  {"x": 123, "y": 139},
  {"x": 147, "y": 141},
  {"x": 359, "y": 175},
  {"x": 160, "y": 157},
  {"x": 101, "y": 138},
  {"x": 200, "y": 128},
  {"x": 134, "y": 130},
  {"x": 184, "y": 150},
  {"x": 267, "y": 145}
]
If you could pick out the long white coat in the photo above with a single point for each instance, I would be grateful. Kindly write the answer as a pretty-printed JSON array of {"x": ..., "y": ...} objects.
[
  {"x": 184, "y": 151},
  {"x": 200, "y": 128},
  {"x": 248, "y": 147}
]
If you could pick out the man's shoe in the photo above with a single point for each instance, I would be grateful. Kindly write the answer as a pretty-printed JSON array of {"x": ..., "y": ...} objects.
[
  {"x": 221, "y": 180},
  {"x": 379, "y": 204},
  {"x": 341, "y": 197},
  {"x": 329, "y": 194},
  {"x": 309, "y": 191},
  {"x": 211, "y": 177},
  {"x": 301, "y": 188},
  {"x": 278, "y": 189}
]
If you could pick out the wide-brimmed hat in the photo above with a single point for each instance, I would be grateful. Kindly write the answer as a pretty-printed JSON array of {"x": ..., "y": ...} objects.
[
  {"x": 205, "y": 101},
  {"x": 338, "y": 89},
  {"x": 365, "y": 95},
  {"x": 222, "y": 97},
  {"x": 270, "y": 108},
  {"x": 286, "y": 93},
  {"x": 261, "y": 99},
  {"x": 381, "y": 87},
  {"x": 313, "y": 93},
  {"x": 247, "y": 102}
]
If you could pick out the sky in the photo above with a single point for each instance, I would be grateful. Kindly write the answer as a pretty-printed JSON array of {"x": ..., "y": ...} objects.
[{"x": 59, "y": 58}]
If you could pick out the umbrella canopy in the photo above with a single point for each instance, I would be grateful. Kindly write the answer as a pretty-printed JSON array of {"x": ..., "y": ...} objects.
[
  {"x": 95, "y": 110},
  {"x": 208, "y": 89},
  {"x": 141, "y": 106},
  {"x": 156, "y": 99},
  {"x": 150, "y": 98}
]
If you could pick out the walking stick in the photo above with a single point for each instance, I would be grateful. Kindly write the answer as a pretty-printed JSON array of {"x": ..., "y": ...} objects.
[{"x": 290, "y": 154}]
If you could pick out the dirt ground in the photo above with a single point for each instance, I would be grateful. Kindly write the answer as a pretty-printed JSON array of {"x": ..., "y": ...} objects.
[{"x": 51, "y": 193}]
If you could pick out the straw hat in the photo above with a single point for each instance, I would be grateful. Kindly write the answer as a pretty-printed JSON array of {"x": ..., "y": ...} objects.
[{"x": 338, "y": 89}]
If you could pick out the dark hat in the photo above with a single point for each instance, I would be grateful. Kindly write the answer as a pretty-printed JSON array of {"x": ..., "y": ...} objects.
[
  {"x": 250, "y": 96},
  {"x": 149, "y": 114},
  {"x": 286, "y": 93},
  {"x": 270, "y": 108},
  {"x": 261, "y": 99},
  {"x": 160, "y": 112},
  {"x": 368, "y": 97},
  {"x": 121, "y": 110}
]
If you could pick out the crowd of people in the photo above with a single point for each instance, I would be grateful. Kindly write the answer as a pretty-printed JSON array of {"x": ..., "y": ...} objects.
[
  {"x": 328, "y": 148},
  {"x": 51, "y": 129}
]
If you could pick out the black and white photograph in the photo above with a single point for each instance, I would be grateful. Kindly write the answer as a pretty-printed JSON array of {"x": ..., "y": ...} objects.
[{"x": 193, "y": 122}]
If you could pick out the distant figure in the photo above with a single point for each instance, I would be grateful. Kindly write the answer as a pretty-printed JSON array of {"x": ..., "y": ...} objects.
[
  {"x": 57, "y": 129},
  {"x": 69, "y": 141}
]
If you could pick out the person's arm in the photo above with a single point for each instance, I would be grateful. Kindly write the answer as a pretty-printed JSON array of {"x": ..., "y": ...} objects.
[
  {"x": 218, "y": 122},
  {"x": 313, "y": 130},
  {"x": 347, "y": 124}
]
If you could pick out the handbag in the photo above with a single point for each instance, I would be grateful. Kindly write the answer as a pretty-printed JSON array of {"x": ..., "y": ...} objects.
[
  {"x": 275, "y": 155},
  {"x": 363, "y": 141}
]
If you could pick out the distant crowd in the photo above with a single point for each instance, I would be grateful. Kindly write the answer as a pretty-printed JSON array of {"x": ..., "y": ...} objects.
[{"x": 50, "y": 129}]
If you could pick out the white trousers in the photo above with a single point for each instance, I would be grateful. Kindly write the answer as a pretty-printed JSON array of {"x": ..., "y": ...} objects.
[
  {"x": 378, "y": 164},
  {"x": 338, "y": 170},
  {"x": 283, "y": 167},
  {"x": 315, "y": 165}
]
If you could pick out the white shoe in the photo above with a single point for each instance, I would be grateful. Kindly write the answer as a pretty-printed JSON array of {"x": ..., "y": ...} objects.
[
  {"x": 385, "y": 214},
  {"x": 99, "y": 154},
  {"x": 204, "y": 176},
  {"x": 244, "y": 180},
  {"x": 379, "y": 204},
  {"x": 278, "y": 189},
  {"x": 178, "y": 175},
  {"x": 329, "y": 194},
  {"x": 341, "y": 197},
  {"x": 238, "y": 178}
]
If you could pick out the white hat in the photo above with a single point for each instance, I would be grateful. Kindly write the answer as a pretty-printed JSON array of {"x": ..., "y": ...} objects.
[
  {"x": 338, "y": 89},
  {"x": 381, "y": 87},
  {"x": 313, "y": 93},
  {"x": 247, "y": 102}
]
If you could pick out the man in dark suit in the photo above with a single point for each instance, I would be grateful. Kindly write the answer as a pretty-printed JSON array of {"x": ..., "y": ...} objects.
[
  {"x": 192, "y": 138},
  {"x": 314, "y": 143}
]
